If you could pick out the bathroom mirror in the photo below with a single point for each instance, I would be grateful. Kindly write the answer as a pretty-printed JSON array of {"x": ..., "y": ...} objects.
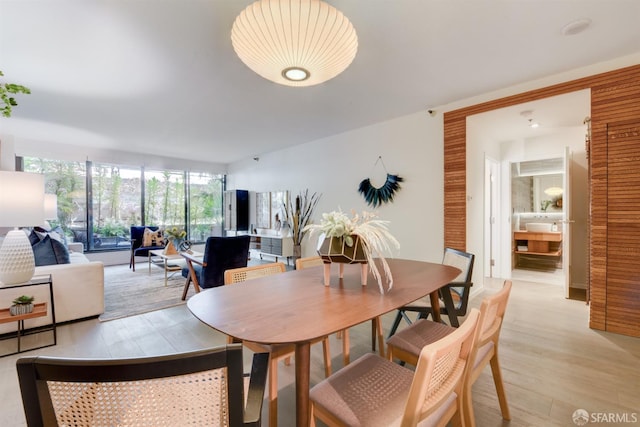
[{"x": 536, "y": 186}]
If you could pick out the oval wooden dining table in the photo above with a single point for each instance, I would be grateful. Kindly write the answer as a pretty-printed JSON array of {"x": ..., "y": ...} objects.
[{"x": 295, "y": 307}]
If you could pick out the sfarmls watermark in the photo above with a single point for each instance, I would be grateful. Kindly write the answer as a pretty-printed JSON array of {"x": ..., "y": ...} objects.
[{"x": 582, "y": 417}]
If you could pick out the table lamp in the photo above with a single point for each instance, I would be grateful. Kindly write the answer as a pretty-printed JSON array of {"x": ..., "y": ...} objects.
[
  {"x": 21, "y": 205},
  {"x": 50, "y": 206},
  {"x": 50, "y": 209}
]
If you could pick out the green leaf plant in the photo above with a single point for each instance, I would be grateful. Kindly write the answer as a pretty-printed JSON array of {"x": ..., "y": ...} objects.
[{"x": 8, "y": 101}]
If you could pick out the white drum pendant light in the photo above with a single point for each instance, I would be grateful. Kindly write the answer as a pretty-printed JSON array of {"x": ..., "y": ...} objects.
[{"x": 294, "y": 42}]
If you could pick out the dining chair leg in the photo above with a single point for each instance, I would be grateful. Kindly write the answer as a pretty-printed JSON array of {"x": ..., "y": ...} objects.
[
  {"x": 273, "y": 392},
  {"x": 378, "y": 323},
  {"x": 373, "y": 334},
  {"x": 327, "y": 357},
  {"x": 346, "y": 348},
  {"x": 497, "y": 380},
  {"x": 312, "y": 417},
  {"x": 467, "y": 404},
  {"x": 456, "y": 420}
]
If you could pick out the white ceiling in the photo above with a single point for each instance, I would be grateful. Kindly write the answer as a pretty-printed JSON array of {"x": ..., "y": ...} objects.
[{"x": 160, "y": 76}]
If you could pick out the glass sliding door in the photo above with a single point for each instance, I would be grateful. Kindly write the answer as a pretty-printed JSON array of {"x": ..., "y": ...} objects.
[
  {"x": 205, "y": 205},
  {"x": 115, "y": 205}
]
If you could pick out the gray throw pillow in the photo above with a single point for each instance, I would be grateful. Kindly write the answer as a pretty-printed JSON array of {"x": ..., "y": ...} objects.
[{"x": 49, "y": 251}]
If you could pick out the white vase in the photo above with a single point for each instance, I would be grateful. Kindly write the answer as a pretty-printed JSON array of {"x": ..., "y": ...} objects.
[{"x": 17, "y": 263}]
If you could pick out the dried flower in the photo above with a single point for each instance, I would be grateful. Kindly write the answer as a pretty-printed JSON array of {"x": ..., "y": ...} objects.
[
  {"x": 298, "y": 213},
  {"x": 373, "y": 232}
]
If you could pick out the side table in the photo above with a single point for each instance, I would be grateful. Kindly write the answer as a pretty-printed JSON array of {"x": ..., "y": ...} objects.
[{"x": 39, "y": 310}]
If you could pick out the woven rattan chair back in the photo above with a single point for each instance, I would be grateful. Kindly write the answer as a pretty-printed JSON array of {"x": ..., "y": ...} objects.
[
  {"x": 441, "y": 370},
  {"x": 312, "y": 261},
  {"x": 236, "y": 275},
  {"x": 198, "y": 388}
]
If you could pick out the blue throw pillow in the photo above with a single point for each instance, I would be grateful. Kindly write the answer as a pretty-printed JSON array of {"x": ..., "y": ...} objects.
[
  {"x": 33, "y": 237},
  {"x": 49, "y": 251}
]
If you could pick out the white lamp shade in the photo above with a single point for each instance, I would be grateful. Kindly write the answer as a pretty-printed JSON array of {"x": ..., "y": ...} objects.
[
  {"x": 21, "y": 199},
  {"x": 294, "y": 42},
  {"x": 50, "y": 206},
  {"x": 21, "y": 204}
]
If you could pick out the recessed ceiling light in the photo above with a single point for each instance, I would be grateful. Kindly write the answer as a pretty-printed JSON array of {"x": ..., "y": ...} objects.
[{"x": 576, "y": 27}]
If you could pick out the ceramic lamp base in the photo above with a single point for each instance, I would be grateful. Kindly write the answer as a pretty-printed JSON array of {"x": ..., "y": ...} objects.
[{"x": 17, "y": 263}]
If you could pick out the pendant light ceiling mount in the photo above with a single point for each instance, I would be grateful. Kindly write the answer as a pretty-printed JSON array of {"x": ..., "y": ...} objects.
[{"x": 294, "y": 42}]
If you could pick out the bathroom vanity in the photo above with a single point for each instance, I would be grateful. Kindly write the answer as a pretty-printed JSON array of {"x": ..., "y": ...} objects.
[{"x": 546, "y": 243}]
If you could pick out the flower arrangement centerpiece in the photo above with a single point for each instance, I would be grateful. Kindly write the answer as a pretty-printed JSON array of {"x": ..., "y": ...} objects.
[
  {"x": 174, "y": 236},
  {"x": 367, "y": 236}
]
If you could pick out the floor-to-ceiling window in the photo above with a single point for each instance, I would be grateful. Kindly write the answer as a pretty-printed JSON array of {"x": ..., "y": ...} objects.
[
  {"x": 205, "y": 205},
  {"x": 99, "y": 202}
]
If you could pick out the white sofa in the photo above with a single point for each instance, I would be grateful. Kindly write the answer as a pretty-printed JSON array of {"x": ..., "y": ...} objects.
[{"x": 78, "y": 291}]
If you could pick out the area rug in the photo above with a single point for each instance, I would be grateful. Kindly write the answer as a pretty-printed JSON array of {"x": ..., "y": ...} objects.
[{"x": 128, "y": 293}]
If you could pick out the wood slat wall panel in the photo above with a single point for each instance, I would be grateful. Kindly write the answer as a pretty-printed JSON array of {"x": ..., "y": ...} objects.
[
  {"x": 615, "y": 97},
  {"x": 623, "y": 227}
]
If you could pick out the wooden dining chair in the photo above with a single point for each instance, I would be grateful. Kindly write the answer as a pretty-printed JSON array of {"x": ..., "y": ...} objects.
[
  {"x": 204, "y": 387},
  {"x": 454, "y": 297},
  {"x": 406, "y": 345},
  {"x": 375, "y": 392},
  {"x": 277, "y": 352}
]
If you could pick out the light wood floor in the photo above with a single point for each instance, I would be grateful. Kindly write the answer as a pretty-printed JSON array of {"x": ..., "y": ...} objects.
[{"x": 553, "y": 364}]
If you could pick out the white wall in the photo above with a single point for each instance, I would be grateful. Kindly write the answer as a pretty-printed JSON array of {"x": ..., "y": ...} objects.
[{"x": 410, "y": 146}]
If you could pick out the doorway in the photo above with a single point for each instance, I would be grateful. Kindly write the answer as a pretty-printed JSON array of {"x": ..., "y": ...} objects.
[
  {"x": 539, "y": 206},
  {"x": 505, "y": 135}
]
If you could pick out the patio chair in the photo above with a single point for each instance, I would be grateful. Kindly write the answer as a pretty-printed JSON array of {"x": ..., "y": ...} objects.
[{"x": 205, "y": 387}]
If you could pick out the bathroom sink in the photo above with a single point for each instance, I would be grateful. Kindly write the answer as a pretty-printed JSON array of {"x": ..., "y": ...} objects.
[{"x": 538, "y": 226}]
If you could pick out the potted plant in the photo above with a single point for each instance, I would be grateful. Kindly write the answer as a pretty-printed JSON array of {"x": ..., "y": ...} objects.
[
  {"x": 21, "y": 305},
  {"x": 357, "y": 239},
  {"x": 174, "y": 237},
  {"x": 7, "y": 101}
]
